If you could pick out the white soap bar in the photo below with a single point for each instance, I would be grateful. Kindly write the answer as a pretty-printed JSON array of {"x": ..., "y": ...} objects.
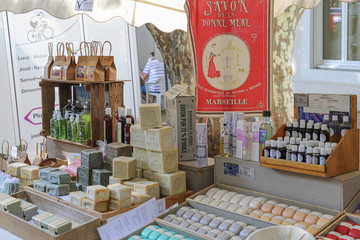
[
  {"x": 119, "y": 192},
  {"x": 113, "y": 180},
  {"x": 77, "y": 197},
  {"x": 172, "y": 183},
  {"x": 150, "y": 115},
  {"x": 163, "y": 162},
  {"x": 142, "y": 158},
  {"x": 124, "y": 167},
  {"x": 160, "y": 139},
  {"x": 14, "y": 168},
  {"x": 139, "y": 198},
  {"x": 116, "y": 205},
  {"x": 29, "y": 172},
  {"x": 137, "y": 136},
  {"x": 148, "y": 188},
  {"x": 152, "y": 176},
  {"x": 96, "y": 206},
  {"x": 98, "y": 193}
]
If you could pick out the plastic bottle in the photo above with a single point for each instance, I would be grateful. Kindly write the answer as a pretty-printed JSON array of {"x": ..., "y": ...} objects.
[
  {"x": 302, "y": 129},
  {"x": 86, "y": 118},
  {"x": 316, "y": 155},
  {"x": 225, "y": 141},
  {"x": 266, "y": 129},
  {"x": 77, "y": 108},
  {"x": 301, "y": 154},
  {"x": 335, "y": 134},
  {"x": 294, "y": 153},
  {"x": 273, "y": 148},
  {"x": 108, "y": 126},
  {"x": 323, "y": 156},
  {"x": 295, "y": 130},
  {"x": 309, "y": 131},
  {"x": 344, "y": 126},
  {"x": 316, "y": 132},
  {"x": 129, "y": 115},
  {"x": 267, "y": 148},
  {"x": 247, "y": 144},
  {"x": 68, "y": 107},
  {"x": 61, "y": 126},
  {"x": 324, "y": 133},
  {"x": 81, "y": 128},
  {"x": 309, "y": 152},
  {"x": 53, "y": 125},
  {"x": 121, "y": 121},
  {"x": 127, "y": 130},
  {"x": 288, "y": 129},
  {"x": 69, "y": 135},
  {"x": 74, "y": 129}
]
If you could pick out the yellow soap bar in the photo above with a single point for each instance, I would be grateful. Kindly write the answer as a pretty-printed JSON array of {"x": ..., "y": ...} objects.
[
  {"x": 148, "y": 188},
  {"x": 130, "y": 183},
  {"x": 152, "y": 176},
  {"x": 119, "y": 192},
  {"x": 113, "y": 180},
  {"x": 124, "y": 167},
  {"x": 77, "y": 197},
  {"x": 139, "y": 198},
  {"x": 150, "y": 115},
  {"x": 116, "y": 205},
  {"x": 98, "y": 193},
  {"x": 14, "y": 168},
  {"x": 159, "y": 139},
  {"x": 96, "y": 206},
  {"x": 163, "y": 162},
  {"x": 30, "y": 172},
  {"x": 172, "y": 183},
  {"x": 142, "y": 158}
]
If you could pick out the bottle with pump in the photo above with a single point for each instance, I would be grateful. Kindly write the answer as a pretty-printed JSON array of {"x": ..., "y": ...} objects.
[
  {"x": 86, "y": 118},
  {"x": 81, "y": 128},
  {"x": 129, "y": 115},
  {"x": 345, "y": 125},
  {"x": 127, "y": 130},
  {"x": 334, "y": 129},
  {"x": 302, "y": 129},
  {"x": 69, "y": 135},
  {"x": 108, "y": 126},
  {"x": 316, "y": 132},
  {"x": 324, "y": 133},
  {"x": 225, "y": 141},
  {"x": 53, "y": 125},
  {"x": 61, "y": 125},
  {"x": 247, "y": 144},
  {"x": 77, "y": 108},
  {"x": 68, "y": 107},
  {"x": 288, "y": 129},
  {"x": 121, "y": 121},
  {"x": 266, "y": 130}
]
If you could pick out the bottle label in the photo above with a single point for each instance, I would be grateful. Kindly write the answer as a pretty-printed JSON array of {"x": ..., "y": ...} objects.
[
  {"x": 300, "y": 135},
  {"x": 272, "y": 153},
  {"x": 322, "y": 137},
  {"x": 322, "y": 161},
  {"x": 266, "y": 153},
  {"x": 315, "y": 136},
  {"x": 308, "y": 136},
  {"x": 294, "y": 134},
  {"x": 245, "y": 143},
  {"x": 119, "y": 126},
  {"x": 293, "y": 157},
  {"x": 331, "y": 132},
  {"x": 343, "y": 132},
  {"x": 263, "y": 136},
  {"x": 287, "y": 133},
  {"x": 278, "y": 154},
  {"x": 315, "y": 160},
  {"x": 308, "y": 158},
  {"x": 255, "y": 136},
  {"x": 300, "y": 158},
  {"x": 239, "y": 134},
  {"x": 288, "y": 155}
]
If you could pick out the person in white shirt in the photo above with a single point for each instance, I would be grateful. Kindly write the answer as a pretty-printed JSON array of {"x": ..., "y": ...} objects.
[{"x": 153, "y": 71}]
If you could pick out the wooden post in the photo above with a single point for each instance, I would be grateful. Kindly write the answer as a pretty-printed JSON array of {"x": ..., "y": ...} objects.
[
  {"x": 115, "y": 101},
  {"x": 48, "y": 102},
  {"x": 64, "y": 95},
  {"x": 97, "y": 104}
]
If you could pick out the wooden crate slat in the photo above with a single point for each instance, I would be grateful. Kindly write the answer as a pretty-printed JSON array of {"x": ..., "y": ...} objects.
[
  {"x": 97, "y": 103},
  {"x": 48, "y": 102}
]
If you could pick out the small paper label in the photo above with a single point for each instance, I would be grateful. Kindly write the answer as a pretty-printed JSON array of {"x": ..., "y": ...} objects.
[
  {"x": 84, "y": 5},
  {"x": 301, "y": 100},
  {"x": 247, "y": 173},
  {"x": 231, "y": 169}
]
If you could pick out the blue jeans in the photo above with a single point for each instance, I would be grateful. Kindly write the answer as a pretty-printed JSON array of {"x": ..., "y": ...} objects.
[{"x": 143, "y": 89}]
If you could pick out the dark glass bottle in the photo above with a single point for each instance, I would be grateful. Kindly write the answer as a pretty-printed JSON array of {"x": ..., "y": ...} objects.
[
  {"x": 323, "y": 156},
  {"x": 127, "y": 130},
  {"x": 315, "y": 155},
  {"x": 309, "y": 152},
  {"x": 77, "y": 108},
  {"x": 273, "y": 149},
  {"x": 281, "y": 150},
  {"x": 129, "y": 115},
  {"x": 345, "y": 125},
  {"x": 121, "y": 121},
  {"x": 288, "y": 152},
  {"x": 267, "y": 148},
  {"x": 301, "y": 154},
  {"x": 294, "y": 153},
  {"x": 316, "y": 132},
  {"x": 335, "y": 129},
  {"x": 324, "y": 133},
  {"x": 295, "y": 130},
  {"x": 326, "y": 120},
  {"x": 68, "y": 107},
  {"x": 108, "y": 125},
  {"x": 302, "y": 129},
  {"x": 288, "y": 129}
]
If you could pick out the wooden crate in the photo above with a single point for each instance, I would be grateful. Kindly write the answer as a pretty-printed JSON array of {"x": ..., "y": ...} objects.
[
  {"x": 97, "y": 104},
  {"x": 345, "y": 217},
  {"x": 87, "y": 228}
]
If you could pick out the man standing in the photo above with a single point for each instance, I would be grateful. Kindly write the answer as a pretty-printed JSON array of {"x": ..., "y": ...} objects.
[{"x": 153, "y": 71}]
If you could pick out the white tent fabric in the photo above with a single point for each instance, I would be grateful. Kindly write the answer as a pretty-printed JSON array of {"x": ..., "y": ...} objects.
[{"x": 167, "y": 15}]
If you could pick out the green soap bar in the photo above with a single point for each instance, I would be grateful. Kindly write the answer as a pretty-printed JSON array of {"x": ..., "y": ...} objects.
[
  {"x": 11, "y": 205},
  {"x": 78, "y": 186},
  {"x": 20, "y": 215},
  {"x": 84, "y": 176},
  {"x": 59, "y": 225},
  {"x": 107, "y": 166},
  {"x": 28, "y": 210},
  {"x": 37, "y": 219},
  {"x": 45, "y": 222},
  {"x": 91, "y": 159},
  {"x": 59, "y": 177},
  {"x": 40, "y": 185},
  {"x": 72, "y": 186},
  {"x": 58, "y": 190},
  {"x": 101, "y": 177},
  {"x": 11, "y": 188},
  {"x": 117, "y": 149},
  {"x": 44, "y": 173}
]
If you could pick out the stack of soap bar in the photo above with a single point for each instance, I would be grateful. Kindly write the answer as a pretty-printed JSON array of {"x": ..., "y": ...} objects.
[
  {"x": 139, "y": 198},
  {"x": 37, "y": 219},
  {"x": 119, "y": 204},
  {"x": 124, "y": 167},
  {"x": 142, "y": 158},
  {"x": 150, "y": 115},
  {"x": 84, "y": 176},
  {"x": 113, "y": 180},
  {"x": 91, "y": 159},
  {"x": 98, "y": 193},
  {"x": 59, "y": 177},
  {"x": 101, "y": 206},
  {"x": 77, "y": 197},
  {"x": 163, "y": 162},
  {"x": 139, "y": 173},
  {"x": 119, "y": 192},
  {"x": 30, "y": 172},
  {"x": 137, "y": 134},
  {"x": 107, "y": 166},
  {"x": 40, "y": 185},
  {"x": 11, "y": 205},
  {"x": 148, "y": 188},
  {"x": 117, "y": 149},
  {"x": 100, "y": 177},
  {"x": 45, "y": 173},
  {"x": 29, "y": 210},
  {"x": 72, "y": 186},
  {"x": 172, "y": 183},
  {"x": 131, "y": 182},
  {"x": 152, "y": 176},
  {"x": 59, "y": 225},
  {"x": 14, "y": 168},
  {"x": 57, "y": 190},
  {"x": 160, "y": 139}
]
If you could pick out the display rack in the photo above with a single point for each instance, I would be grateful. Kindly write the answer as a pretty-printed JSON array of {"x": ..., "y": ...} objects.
[{"x": 97, "y": 104}]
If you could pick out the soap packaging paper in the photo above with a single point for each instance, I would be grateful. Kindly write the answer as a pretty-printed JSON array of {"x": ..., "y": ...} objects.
[
  {"x": 255, "y": 141},
  {"x": 236, "y": 116},
  {"x": 201, "y": 145}
]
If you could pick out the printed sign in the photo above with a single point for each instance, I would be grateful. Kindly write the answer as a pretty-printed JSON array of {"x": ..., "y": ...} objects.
[
  {"x": 231, "y": 169},
  {"x": 84, "y": 5},
  {"x": 230, "y": 44}
]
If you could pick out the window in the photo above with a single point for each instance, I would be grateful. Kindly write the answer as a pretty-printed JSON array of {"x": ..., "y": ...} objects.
[{"x": 337, "y": 35}]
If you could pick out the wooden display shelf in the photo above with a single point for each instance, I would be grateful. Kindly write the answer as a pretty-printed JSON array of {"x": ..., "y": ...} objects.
[
  {"x": 97, "y": 104},
  {"x": 69, "y": 142},
  {"x": 343, "y": 159}
]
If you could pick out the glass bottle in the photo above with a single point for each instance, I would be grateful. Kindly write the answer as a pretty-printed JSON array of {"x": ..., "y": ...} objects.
[
  {"x": 81, "y": 130},
  {"x": 267, "y": 148},
  {"x": 335, "y": 129},
  {"x": 121, "y": 121},
  {"x": 129, "y": 115},
  {"x": 309, "y": 131},
  {"x": 316, "y": 132},
  {"x": 294, "y": 153},
  {"x": 77, "y": 108},
  {"x": 86, "y": 118},
  {"x": 108, "y": 126},
  {"x": 323, "y": 156},
  {"x": 247, "y": 144},
  {"x": 53, "y": 124},
  {"x": 69, "y": 135},
  {"x": 295, "y": 130},
  {"x": 288, "y": 152},
  {"x": 266, "y": 129},
  {"x": 68, "y": 107},
  {"x": 281, "y": 150},
  {"x": 309, "y": 152},
  {"x": 288, "y": 129},
  {"x": 127, "y": 130},
  {"x": 345, "y": 125},
  {"x": 225, "y": 141},
  {"x": 302, "y": 129},
  {"x": 57, "y": 127},
  {"x": 74, "y": 129},
  {"x": 316, "y": 155},
  {"x": 273, "y": 148},
  {"x": 61, "y": 125},
  {"x": 324, "y": 133},
  {"x": 301, "y": 154}
]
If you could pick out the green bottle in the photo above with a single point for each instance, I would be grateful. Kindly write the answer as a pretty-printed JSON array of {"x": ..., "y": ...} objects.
[
  {"x": 57, "y": 133},
  {"x": 80, "y": 130},
  {"x": 53, "y": 125},
  {"x": 61, "y": 126},
  {"x": 86, "y": 117},
  {"x": 74, "y": 132},
  {"x": 69, "y": 135}
]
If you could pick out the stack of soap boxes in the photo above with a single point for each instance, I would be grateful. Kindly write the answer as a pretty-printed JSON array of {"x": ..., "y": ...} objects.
[
  {"x": 156, "y": 157},
  {"x": 54, "y": 182},
  {"x": 54, "y": 223},
  {"x": 17, "y": 207}
]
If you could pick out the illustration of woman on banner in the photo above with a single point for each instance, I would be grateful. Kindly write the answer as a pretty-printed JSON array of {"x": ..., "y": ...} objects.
[{"x": 212, "y": 72}]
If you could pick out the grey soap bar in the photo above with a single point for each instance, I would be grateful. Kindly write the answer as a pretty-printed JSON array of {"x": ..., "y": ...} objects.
[
  {"x": 58, "y": 190},
  {"x": 117, "y": 149},
  {"x": 72, "y": 186},
  {"x": 44, "y": 173},
  {"x": 91, "y": 159},
  {"x": 84, "y": 188},
  {"x": 40, "y": 185},
  {"x": 59, "y": 177},
  {"x": 78, "y": 186},
  {"x": 84, "y": 176},
  {"x": 28, "y": 210},
  {"x": 107, "y": 166},
  {"x": 101, "y": 177}
]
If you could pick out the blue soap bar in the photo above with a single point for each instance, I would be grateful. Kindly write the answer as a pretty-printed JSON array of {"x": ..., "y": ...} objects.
[
  {"x": 59, "y": 177},
  {"x": 44, "y": 173},
  {"x": 157, "y": 233},
  {"x": 84, "y": 176},
  {"x": 91, "y": 159},
  {"x": 101, "y": 177},
  {"x": 147, "y": 231}
]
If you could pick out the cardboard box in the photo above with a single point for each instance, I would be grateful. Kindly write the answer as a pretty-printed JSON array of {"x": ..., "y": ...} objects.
[{"x": 181, "y": 115}]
